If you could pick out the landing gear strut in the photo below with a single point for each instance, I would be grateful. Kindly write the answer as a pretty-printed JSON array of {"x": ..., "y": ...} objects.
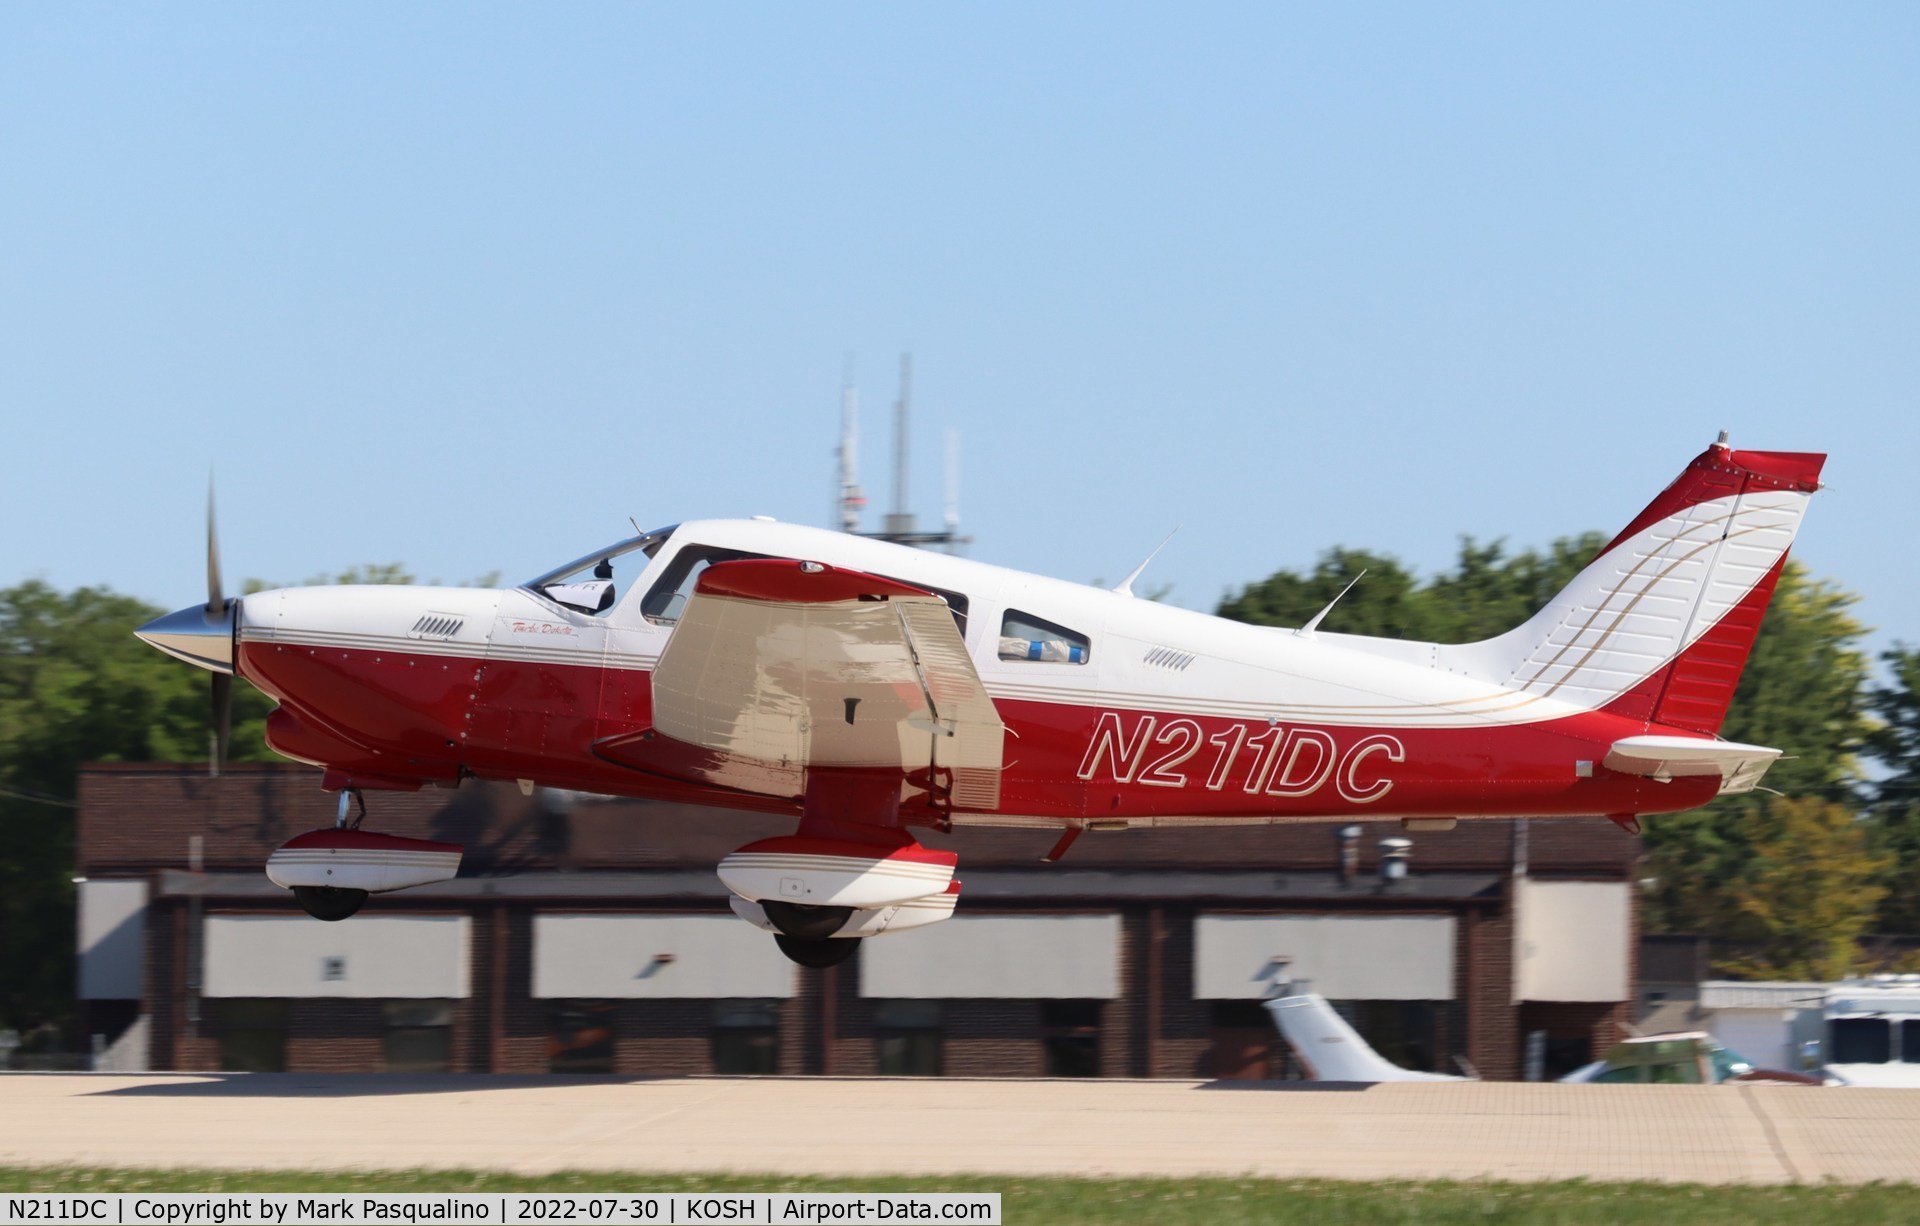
[{"x": 817, "y": 955}]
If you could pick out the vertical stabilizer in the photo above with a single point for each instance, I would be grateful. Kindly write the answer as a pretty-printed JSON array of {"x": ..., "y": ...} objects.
[
  {"x": 1330, "y": 1049},
  {"x": 1659, "y": 626}
]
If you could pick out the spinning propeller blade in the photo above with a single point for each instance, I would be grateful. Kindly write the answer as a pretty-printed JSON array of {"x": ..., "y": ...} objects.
[{"x": 222, "y": 682}]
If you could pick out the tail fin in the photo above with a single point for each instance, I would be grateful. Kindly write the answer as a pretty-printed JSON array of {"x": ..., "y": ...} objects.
[
  {"x": 1331, "y": 1049},
  {"x": 1658, "y": 627}
]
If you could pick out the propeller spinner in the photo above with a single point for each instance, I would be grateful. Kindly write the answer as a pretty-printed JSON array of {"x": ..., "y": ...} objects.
[{"x": 203, "y": 635}]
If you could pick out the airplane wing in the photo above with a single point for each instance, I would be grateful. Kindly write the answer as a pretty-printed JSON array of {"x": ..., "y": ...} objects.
[
  {"x": 1740, "y": 767},
  {"x": 776, "y": 666}
]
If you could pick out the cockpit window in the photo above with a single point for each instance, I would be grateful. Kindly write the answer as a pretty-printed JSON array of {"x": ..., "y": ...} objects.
[
  {"x": 589, "y": 584},
  {"x": 1026, "y": 637}
]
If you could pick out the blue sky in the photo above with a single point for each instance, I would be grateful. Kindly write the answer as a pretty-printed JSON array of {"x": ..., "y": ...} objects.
[{"x": 464, "y": 287}]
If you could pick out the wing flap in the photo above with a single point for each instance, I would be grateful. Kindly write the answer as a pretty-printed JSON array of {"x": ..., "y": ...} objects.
[
  {"x": 797, "y": 664},
  {"x": 1740, "y": 767}
]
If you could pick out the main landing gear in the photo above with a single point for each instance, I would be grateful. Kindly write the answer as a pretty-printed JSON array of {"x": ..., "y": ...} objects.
[
  {"x": 330, "y": 903},
  {"x": 335, "y": 903},
  {"x": 817, "y": 955},
  {"x": 851, "y": 872},
  {"x": 332, "y": 871}
]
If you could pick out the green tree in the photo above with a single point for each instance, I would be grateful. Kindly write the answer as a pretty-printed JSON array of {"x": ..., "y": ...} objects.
[
  {"x": 1386, "y": 602},
  {"x": 1806, "y": 891},
  {"x": 1895, "y": 742},
  {"x": 1487, "y": 592},
  {"x": 76, "y": 687},
  {"x": 1803, "y": 691}
]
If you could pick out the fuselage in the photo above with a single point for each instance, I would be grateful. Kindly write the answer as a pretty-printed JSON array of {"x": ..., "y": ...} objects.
[{"x": 1117, "y": 709}]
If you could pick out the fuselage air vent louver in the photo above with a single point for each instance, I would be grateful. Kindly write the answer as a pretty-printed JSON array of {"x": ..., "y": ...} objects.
[
  {"x": 436, "y": 626},
  {"x": 1167, "y": 657}
]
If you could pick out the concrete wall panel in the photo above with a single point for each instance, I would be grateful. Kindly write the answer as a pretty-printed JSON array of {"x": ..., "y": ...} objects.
[
  {"x": 612, "y": 957},
  {"x": 1028, "y": 957},
  {"x": 1342, "y": 957}
]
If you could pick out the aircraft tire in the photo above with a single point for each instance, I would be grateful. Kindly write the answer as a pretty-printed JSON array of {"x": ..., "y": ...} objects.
[
  {"x": 816, "y": 954},
  {"x": 808, "y": 923},
  {"x": 325, "y": 902}
]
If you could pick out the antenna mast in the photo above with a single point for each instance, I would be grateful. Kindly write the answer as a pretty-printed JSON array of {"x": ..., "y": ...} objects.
[
  {"x": 898, "y": 527},
  {"x": 951, "y": 521},
  {"x": 849, "y": 501},
  {"x": 900, "y": 520}
]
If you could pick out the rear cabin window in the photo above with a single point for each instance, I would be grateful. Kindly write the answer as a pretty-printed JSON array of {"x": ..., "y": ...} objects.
[{"x": 1024, "y": 636}]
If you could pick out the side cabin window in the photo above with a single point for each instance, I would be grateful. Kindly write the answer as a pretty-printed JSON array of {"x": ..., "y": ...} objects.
[
  {"x": 1024, "y": 636},
  {"x": 956, "y": 602},
  {"x": 667, "y": 598}
]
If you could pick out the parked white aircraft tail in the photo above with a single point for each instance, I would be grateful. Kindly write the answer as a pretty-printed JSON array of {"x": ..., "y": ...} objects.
[{"x": 1330, "y": 1049}]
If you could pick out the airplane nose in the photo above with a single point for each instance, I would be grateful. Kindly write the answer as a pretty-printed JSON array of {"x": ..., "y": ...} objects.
[{"x": 197, "y": 635}]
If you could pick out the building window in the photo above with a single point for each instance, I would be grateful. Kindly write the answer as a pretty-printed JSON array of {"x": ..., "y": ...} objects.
[
  {"x": 580, "y": 1037},
  {"x": 746, "y": 1036},
  {"x": 419, "y": 1036},
  {"x": 253, "y": 1034},
  {"x": 1861, "y": 1040},
  {"x": 1242, "y": 1041},
  {"x": 1404, "y": 1032},
  {"x": 1070, "y": 1030},
  {"x": 1024, "y": 636},
  {"x": 906, "y": 1038}
]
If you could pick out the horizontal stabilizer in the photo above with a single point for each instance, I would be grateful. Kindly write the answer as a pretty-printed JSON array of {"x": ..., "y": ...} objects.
[{"x": 1740, "y": 767}]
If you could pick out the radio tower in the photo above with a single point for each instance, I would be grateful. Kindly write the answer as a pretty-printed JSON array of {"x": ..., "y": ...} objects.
[
  {"x": 848, "y": 500},
  {"x": 899, "y": 527}
]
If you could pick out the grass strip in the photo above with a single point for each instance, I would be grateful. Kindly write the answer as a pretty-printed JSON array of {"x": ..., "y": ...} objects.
[{"x": 1035, "y": 1200}]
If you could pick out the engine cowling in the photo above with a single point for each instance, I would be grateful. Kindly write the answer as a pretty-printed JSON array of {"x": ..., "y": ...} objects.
[{"x": 341, "y": 859}]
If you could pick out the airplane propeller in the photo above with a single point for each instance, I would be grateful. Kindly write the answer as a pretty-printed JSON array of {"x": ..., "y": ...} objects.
[
  {"x": 204, "y": 635},
  {"x": 217, "y": 607}
]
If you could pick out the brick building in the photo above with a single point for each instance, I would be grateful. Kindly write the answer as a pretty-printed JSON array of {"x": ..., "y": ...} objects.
[{"x": 591, "y": 935}]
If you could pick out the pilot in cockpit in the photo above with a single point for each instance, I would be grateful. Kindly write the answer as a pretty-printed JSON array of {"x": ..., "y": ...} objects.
[{"x": 595, "y": 596}]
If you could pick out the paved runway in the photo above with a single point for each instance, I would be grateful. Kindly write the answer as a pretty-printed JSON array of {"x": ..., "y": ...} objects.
[{"x": 1711, "y": 1134}]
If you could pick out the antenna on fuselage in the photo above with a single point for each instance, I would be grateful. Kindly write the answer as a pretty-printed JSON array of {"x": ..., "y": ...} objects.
[
  {"x": 1314, "y": 623},
  {"x": 1125, "y": 586}
]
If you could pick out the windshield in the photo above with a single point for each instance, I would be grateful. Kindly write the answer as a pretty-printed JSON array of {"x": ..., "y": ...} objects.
[{"x": 590, "y": 583}]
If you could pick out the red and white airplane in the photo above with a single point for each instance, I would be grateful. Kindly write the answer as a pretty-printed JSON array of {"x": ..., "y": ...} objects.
[{"x": 869, "y": 689}]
